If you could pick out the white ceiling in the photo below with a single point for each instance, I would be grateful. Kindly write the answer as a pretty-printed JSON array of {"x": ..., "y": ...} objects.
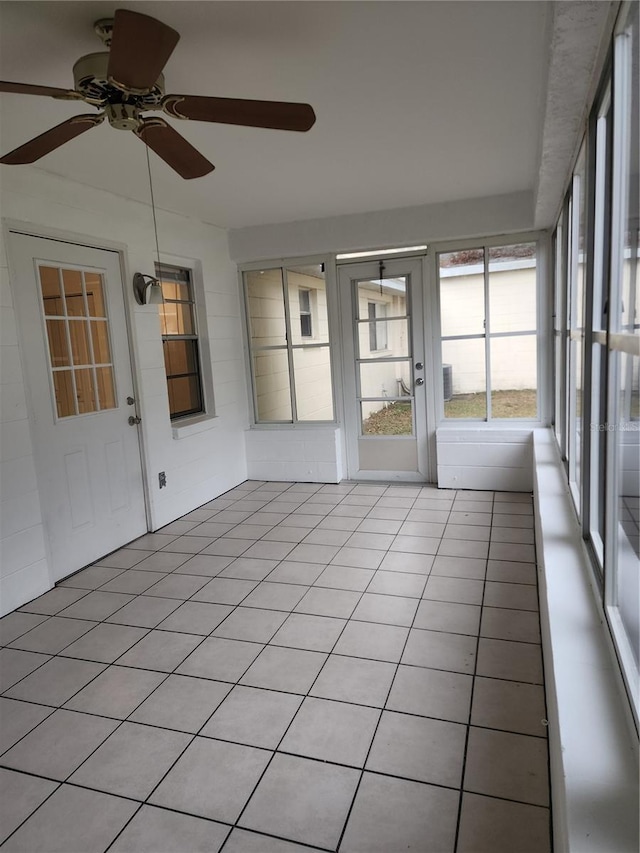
[{"x": 416, "y": 102}]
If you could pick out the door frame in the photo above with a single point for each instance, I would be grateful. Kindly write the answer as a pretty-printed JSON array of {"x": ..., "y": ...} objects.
[
  {"x": 29, "y": 229},
  {"x": 422, "y": 322}
]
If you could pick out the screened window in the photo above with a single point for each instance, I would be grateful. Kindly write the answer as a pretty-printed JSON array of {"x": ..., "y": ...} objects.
[
  {"x": 576, "y": 314},
  {"x": 180, "y": 342},
  {"x": 488, "y": 315},
  {"x": 288, "y": 322},
  {"x": 598, "y": 374}
]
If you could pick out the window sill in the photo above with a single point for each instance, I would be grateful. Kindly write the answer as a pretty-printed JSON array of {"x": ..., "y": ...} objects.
[
  {"x": 302, "y": 425},
  {"x": 193, "y": 426},
  {"x": 593, "y": 749}
]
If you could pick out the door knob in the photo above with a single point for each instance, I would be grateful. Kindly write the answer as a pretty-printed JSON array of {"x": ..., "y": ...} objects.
[
  {"x": 420, "y": 381},
  {"x": 133, "y": 421},
  {"x": 130, "y": 401},
  {"x": 419, "y": 366}
]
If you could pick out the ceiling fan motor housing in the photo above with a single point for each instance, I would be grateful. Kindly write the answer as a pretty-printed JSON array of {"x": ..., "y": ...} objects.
[{"x": 91, "y": 78}]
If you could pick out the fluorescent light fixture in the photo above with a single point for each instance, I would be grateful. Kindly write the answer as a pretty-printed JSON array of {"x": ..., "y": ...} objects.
[{"x": 375, "y": 252}]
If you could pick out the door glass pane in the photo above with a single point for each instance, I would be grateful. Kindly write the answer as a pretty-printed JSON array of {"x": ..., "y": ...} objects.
[
  {"x": 72, "y": 281},
  {"x": 462, "y": 292},
  {"x": 272, "y": 388},
  {"x": 106, "y": 390},
  {"x": 100, "y": 338},
  {"x": 389, "y": 295},
  {"x": 58, "y": 345},
  {"x": 464, "y": 379},
  {"x": 308, "y": 304},
  {"x": 312, "y": 376},
  {"x": 514, "y": 377},
  {"x": 391, "y": 337},
  {"x": 80, "y": 352},
  {"x": 385, "y": 379},
  {"x": 50, "y": 286},
  {"x": 85, "y": 391},
  {"x": 184, "y": 395},
  {"x": 265, "y": 302},
  {"x": 88, "y": 340},
  {"x": 512, "y": 288},
  {"x": 381, "y": 418},
  {"x": 64, "y": 393},
  {"x": 95, "y": 294}
]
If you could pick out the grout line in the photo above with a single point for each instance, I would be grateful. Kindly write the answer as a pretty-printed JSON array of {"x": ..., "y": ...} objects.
[
  {"x": 471, "y": 697},
  {"x": 375, "y": 732},
  {"x": 326, "y": 513}
]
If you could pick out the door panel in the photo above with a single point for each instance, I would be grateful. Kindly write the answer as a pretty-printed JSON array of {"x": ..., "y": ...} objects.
[
  {"x": 385, "y": 407},
  {"x": 70, "y": 310}
]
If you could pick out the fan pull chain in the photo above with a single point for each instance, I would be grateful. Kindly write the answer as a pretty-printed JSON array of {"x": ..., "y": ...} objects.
[
  {"x": 381, "y": 274},
  {"x": 153, "y": 207}
]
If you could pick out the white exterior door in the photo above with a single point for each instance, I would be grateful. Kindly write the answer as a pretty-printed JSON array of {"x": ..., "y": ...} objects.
[
  {"x": 70, "y": 309},
  {"x": 385, "y": 375}
]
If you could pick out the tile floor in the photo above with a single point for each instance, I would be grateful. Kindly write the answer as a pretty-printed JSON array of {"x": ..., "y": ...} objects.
[{"x": 290, "y": 667}]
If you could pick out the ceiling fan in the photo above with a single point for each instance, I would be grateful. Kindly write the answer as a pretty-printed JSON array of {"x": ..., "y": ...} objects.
[{"x": 126, "y": 81}]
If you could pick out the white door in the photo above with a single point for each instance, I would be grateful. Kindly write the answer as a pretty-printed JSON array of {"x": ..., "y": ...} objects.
[
  {"x": 384, "y": 357},
  {"x": 70, "y": 311}
]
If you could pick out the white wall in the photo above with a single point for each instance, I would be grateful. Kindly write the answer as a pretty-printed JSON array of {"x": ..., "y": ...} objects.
[
  {"x": 490, "y": 458},
  {"x": 407, "y": 226},
  {"x": 206, "y": 459},
  {"x": 23, "y": 563},
  {"x": 303, "y": 454}
]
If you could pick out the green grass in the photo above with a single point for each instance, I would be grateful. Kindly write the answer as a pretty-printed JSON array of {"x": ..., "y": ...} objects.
[
  {"x": 504, "y": 404},
  {"x": 395, "y": 419}
]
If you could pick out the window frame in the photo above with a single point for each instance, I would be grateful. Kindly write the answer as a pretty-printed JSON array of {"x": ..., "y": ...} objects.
[
  {"x": 604, "y": 428},
  {"x": 193, "y": 269},
  {"x": 333, "y": 347},
  {"x": 541, "y": 239}
]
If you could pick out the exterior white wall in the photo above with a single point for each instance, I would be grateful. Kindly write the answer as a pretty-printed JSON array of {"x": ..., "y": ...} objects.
[
  {"x": 201, "y": 460},
  {"x": 513, "y": 308}
]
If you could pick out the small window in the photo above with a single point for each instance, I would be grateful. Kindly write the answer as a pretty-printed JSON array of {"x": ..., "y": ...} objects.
[
  {"x": 377, "y": 330},
  {"x": 306, "y": 323},
  {"x": 180, "y": 342}
]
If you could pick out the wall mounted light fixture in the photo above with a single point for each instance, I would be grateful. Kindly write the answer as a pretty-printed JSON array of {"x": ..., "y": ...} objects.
[{"x": 147, "y": 289}]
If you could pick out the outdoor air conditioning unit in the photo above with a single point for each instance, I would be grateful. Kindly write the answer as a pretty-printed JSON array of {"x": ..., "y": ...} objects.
[{"x": 447, "y": 381}]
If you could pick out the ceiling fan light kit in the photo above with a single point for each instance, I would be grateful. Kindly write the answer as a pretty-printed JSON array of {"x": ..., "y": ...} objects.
[{"x": 127, "y": 81}]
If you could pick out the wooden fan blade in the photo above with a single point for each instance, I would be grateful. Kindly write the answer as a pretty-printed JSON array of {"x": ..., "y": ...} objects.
[
  {"x": 50, "y": 140},
  {"x": 46, "y": 91},
  {"x": 174, "y": 149},
  {"x": 278, "y": 115},
  {"x": 140, "y": 48}
]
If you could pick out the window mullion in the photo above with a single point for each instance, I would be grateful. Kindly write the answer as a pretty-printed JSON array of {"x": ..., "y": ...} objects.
[
  {"x": 287, "y": 320},
  {"x": 487, "y": 333}
]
